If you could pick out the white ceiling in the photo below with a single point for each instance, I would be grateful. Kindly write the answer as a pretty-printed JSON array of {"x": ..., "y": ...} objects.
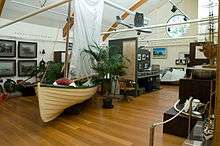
[{"x": 57, "y": 16}]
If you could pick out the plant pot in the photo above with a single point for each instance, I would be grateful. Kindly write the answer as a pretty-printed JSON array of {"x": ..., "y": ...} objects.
[{"x": 107, "y": 103}]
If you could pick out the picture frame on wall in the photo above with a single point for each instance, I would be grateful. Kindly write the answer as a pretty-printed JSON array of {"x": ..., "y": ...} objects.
[
  {"x": 7, "y": 68},
  {"x": 182, "y": 55},
  {"x": 139, "y": 57},
  {"x": 7, "y": 48},
  {"x": 159, "y": 53},
  {"x": 27, "y": 49},
  {"x": 144, "y": 57},
  {"x": 70, "y": 46},
  {"x": 26, "y": 67}
]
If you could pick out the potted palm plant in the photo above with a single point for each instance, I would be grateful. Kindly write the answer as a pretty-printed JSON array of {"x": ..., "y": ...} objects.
[{"x": 108, "y": 68}]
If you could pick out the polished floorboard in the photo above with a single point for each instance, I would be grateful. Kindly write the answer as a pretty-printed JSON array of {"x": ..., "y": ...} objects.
[{"x": 127, "y": 124}]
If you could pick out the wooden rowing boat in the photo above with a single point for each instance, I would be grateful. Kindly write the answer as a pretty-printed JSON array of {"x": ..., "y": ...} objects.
[{"x": 53, "y": 100}]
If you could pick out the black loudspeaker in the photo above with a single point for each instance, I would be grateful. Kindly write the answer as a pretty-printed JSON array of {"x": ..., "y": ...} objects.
[{"x": 139, "y": 20}]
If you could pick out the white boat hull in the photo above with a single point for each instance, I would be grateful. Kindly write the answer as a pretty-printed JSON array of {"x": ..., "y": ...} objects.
[{"x": 54, "y": 100}]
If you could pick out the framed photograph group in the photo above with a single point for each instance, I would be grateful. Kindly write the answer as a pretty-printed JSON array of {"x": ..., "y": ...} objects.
[
  {"x": 27, "y": 49},
  {"x": 26, "y": 67},
  {"x": 7, "y": 68},
  {"x": 7, "y": 48}
]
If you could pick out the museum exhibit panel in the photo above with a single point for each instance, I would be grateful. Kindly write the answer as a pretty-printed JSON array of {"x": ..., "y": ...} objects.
[{"x": 109, "y": 73}]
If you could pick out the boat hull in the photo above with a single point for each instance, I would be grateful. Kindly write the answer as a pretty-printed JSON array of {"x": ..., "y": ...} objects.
[{"x": 54, "y": 100}]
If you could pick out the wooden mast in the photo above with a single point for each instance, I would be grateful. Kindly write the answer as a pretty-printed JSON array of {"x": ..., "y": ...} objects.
[
  {"x": 66, "y": 27},
  {"x": 217, "y": 101},
  {"x": 67, "y": 41},
  {"x": 2, "y": 3}
]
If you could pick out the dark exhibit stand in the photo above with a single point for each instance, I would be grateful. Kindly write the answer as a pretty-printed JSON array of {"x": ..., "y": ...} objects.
[
  {"x": 178, "y": 126},
  {"x": 193, "y": 61},
  {"x": 27, "y": 89},
  {"x": 202, "y": 89},
  {"x": 140, "y": 70},
  {"x": 196, "y": 88},
  {"x": 149, "y": 82},
  {"x": 198, "y": 135}
]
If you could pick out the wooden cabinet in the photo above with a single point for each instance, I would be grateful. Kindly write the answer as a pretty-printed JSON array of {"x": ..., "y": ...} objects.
[{"x": 128, "y": 48}]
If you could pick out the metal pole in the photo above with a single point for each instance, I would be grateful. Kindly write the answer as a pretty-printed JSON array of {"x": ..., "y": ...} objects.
[
  {"x": 190, "y": 119},
  {"x": 152, "y": 131},
  {"x": 179, "y": 38},
  {"x": 67, "y": 41},
  {"x": 119, "y": 7},
  {"x": 35, "y": 7},
  {"x": 160, "y": 25},
  {"x": 210, "y": 104},
  {"x": 53, "y": 5}
]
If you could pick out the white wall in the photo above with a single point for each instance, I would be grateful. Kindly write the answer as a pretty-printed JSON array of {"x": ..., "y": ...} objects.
[
  {"x": 162, "y": 15},
  {"x": 46, "y": 37}
]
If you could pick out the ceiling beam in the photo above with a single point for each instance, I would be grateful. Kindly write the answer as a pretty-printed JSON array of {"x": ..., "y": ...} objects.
[
  {"x": 2, "y": 3},
  {"x": 67, "y": 27},
  {"x": 123, "y": 16}
]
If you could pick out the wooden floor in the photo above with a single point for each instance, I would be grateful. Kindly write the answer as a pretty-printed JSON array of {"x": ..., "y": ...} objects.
[{"x": 125, "y": 124}]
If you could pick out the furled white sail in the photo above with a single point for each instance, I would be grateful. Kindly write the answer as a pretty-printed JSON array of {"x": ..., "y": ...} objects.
[{"x": 86, "y": 31}]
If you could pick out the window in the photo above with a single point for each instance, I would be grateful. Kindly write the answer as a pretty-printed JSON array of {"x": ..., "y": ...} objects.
[
  {"x": 205, "y": 8},
  {"x": 176, "y": 31}
]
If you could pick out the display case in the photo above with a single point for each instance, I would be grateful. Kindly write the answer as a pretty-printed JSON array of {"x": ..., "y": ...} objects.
[{"x": 140, "y": 70}]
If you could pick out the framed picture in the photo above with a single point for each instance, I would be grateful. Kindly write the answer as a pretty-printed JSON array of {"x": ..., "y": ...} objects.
[
  {"x": 70, "y": 46},
  {"x": 7, "y": 48},
  {"x": 7, "y": 68},
  {"x": 144, "y": 56},
  {"x": 27, "y": 50},
  {"x": 182, "y": 55},
  {"x": 180, "y": 62},
  {"x": 159, "y": 53},
  {"x": 196, "y": 57},
  {"x": 26, "y": 67},
  {"x": 139, "y": 57}
]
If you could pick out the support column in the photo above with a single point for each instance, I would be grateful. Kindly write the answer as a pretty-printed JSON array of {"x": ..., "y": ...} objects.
[{"x": 217, "y": 105}]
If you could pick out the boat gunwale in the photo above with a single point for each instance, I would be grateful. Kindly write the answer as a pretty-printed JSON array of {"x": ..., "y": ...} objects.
[{"x": 66, "y": 87}]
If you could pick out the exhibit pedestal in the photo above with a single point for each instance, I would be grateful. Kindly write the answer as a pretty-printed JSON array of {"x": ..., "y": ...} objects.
[{"x": 178, "y": 126}]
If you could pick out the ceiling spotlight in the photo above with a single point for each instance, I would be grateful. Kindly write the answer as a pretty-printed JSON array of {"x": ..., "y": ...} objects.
[
  {"x": 185, "y": 18},
  {"x": 174, "y": 8},
  {"x": 118, "y": 18},
  {"x": 43, "y": 52}
]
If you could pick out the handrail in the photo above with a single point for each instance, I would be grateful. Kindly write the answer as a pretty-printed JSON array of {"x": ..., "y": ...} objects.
[{"x": 152, "y": 128}]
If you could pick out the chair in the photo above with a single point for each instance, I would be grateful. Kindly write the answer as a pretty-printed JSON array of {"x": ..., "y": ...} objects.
[{"x": 126, "y": 87}]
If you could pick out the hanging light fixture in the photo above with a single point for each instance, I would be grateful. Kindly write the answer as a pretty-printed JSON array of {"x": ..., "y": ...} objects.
[
  {"x": 185, "y": 18},
  {"x": 174, "y": 8},
  {"x": 43, "y": 52}
]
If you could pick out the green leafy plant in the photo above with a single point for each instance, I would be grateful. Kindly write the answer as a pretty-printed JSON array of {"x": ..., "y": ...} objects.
[
  {"x": 104, "y": 64},
  {"x": 53, "y": 72}
]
